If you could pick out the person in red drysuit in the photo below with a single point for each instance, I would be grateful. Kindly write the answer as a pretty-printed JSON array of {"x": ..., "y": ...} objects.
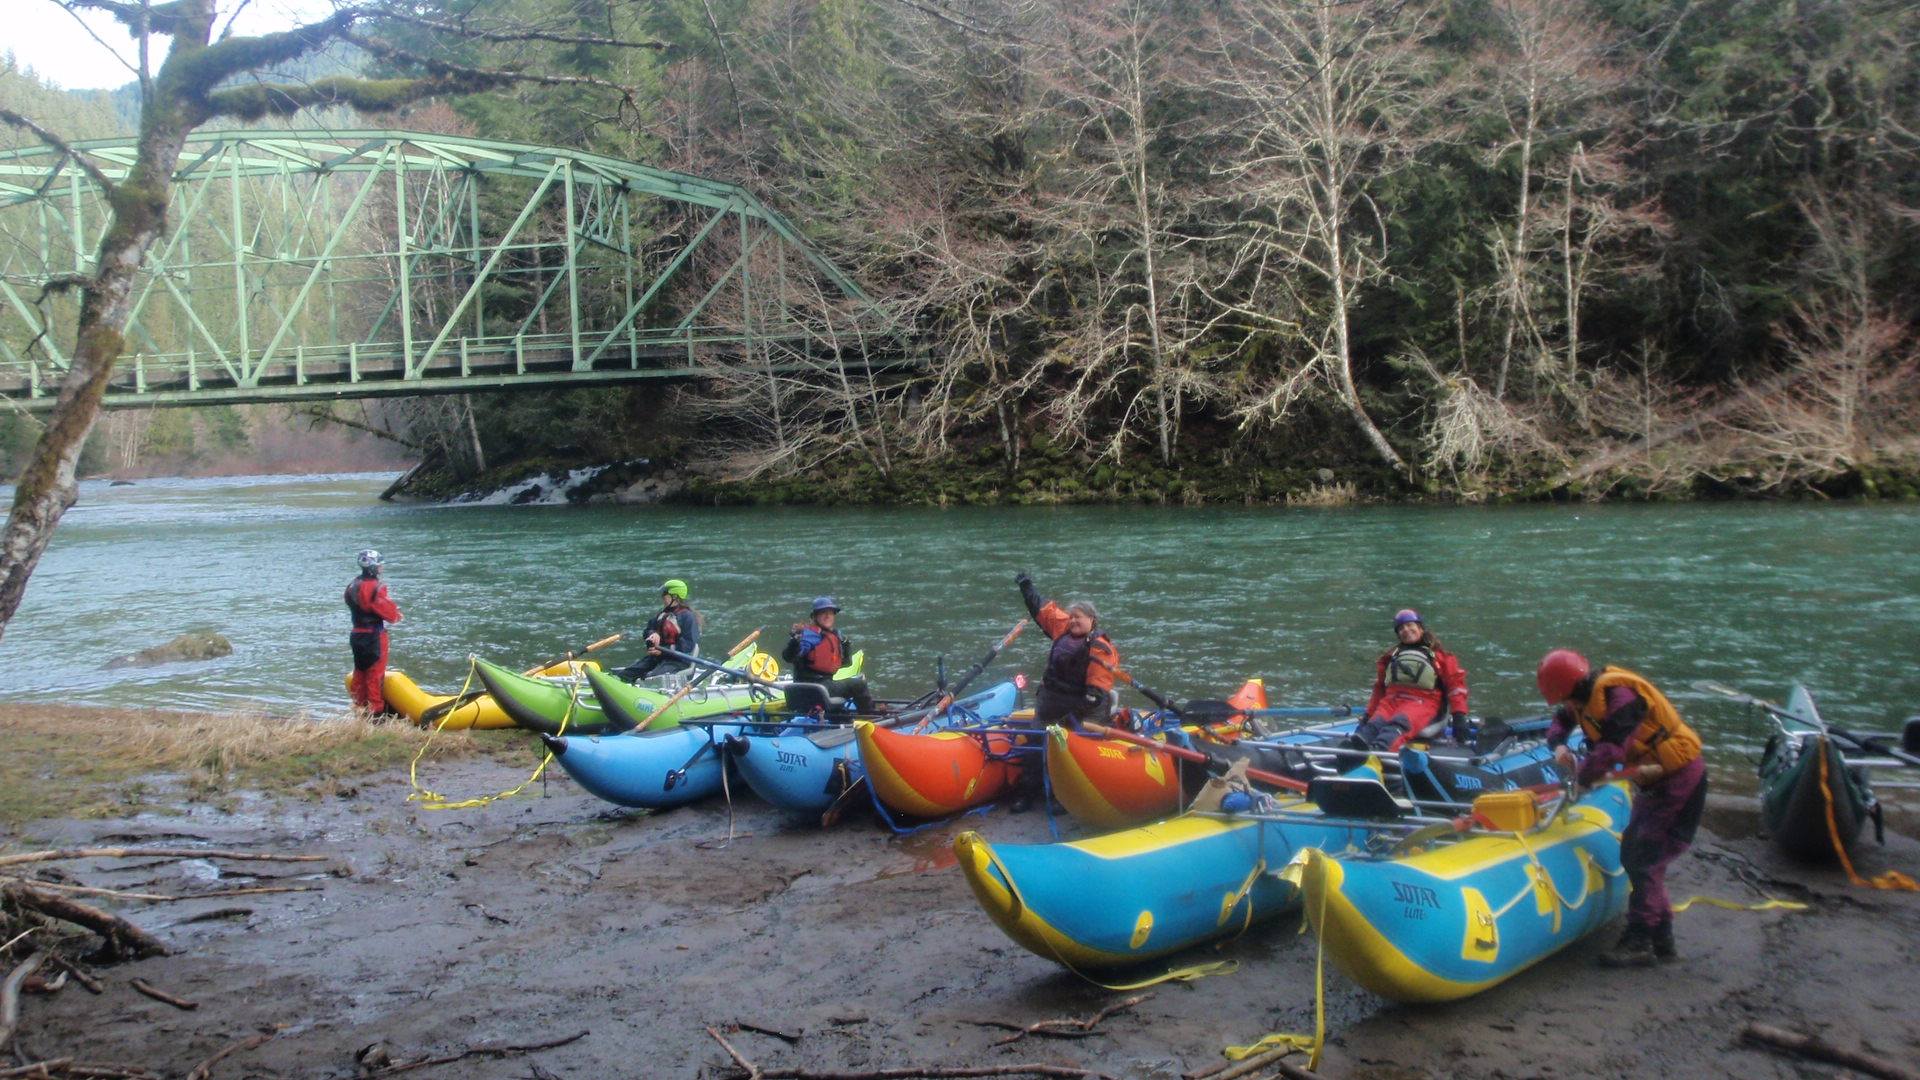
[
  {"x": 1414, "y": 684},
  {"x": 371, "y": 609}
]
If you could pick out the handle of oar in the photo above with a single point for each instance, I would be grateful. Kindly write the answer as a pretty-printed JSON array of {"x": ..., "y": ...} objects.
[
  {"x": 952, "y": 693},
  {"x": 595, "y": 647},
  {"x": 738, "y": 648},
  {"x": 1272, "y": 779}
]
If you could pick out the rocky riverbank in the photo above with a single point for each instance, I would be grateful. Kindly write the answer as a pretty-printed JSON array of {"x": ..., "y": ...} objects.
[{"x": 425, "y": 935}]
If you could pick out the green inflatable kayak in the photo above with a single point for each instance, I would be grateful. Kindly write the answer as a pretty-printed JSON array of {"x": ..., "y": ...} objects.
[{"x": 602, "y": 703}]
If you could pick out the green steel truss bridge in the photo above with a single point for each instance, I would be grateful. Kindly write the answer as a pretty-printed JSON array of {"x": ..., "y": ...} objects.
[{"x": 315, "y": 265}]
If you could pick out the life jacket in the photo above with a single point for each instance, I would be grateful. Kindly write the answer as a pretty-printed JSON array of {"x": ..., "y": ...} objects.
[
  {"x": 1662, "y": 737},
  {"x": 1067, "y": 663},
  {"x": 667, "y": 625},
  {"x": 828, "y": 655},
  {"x": 1413, "y": 666},
  {"x": 360, "y": 594}
]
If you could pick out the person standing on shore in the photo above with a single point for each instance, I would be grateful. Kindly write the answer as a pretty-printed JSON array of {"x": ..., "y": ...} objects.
[
  {"x": 675, "y": 626},
  {"x": 371, "y": 610},
  {"x": 817, "y": 651},
  {"x": 1415, "y": 684},
  {"x": 1633, "y": 733}
]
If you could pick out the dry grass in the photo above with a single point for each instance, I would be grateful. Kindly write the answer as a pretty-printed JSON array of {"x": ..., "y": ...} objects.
[
  {"x": 1323, "y": 496},
  {"x": 67, "y": 761}
]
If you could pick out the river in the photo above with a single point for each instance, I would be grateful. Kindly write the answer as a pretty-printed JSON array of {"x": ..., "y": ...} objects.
[{"x": 1751, "y": 594}]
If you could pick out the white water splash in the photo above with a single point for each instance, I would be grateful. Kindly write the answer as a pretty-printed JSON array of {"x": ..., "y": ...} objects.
[{"x": 537, "y": 490}]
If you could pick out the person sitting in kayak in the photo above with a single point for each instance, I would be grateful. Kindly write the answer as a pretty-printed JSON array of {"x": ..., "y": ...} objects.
[
  {"x": 1078, "y": 684},
  {"x": 1414, "y": 684},
  {"x": 371, "y": 610},
  {"x": 675, "y": 626},
  {"x": 1634, "y": 733},
  {"x": 816, "y": 650}
]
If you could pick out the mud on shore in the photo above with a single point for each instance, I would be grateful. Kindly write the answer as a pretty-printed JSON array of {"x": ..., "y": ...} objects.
[{"x": 554, "y": 913}]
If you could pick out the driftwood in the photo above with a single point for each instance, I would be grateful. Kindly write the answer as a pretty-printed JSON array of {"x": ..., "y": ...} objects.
[
  {"x": 121, "y": 938},
  {"x": 788, "y": 1037},
  {"x": 10, "y": 994},
  {"x": 81, "y": 975},
  {"x": 752, "y": 1071},
  {"x": 1064, "y": 1027},
  {"x": 56, "y": 854},
  {"x": 216, "y": 913},
  {"x": 37, "y": 1069},
  {"x": 1808, "y": 1046},
  {"x": 161, "y": 996},
  {"x": 205, "y": 1069},
  {"x": 483, "y": 1050},
  {"x": 162, "y": 898}
]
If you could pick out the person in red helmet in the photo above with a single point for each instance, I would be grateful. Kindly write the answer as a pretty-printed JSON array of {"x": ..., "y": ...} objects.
[
  {"x": 1415, "y": 684},
  {"x": 371, "y": 610},
  {"x": 1634, "y": 733}
]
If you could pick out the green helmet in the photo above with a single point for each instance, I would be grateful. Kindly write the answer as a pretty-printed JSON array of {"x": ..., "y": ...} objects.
[{"x": 675, "y": 588}]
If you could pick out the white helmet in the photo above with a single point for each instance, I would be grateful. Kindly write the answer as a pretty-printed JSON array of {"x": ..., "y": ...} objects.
[{"x": 370, "y": 560}]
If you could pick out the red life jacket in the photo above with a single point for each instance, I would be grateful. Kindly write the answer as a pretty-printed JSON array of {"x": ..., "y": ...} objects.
[
  {"x": 362, "y": 595},
  {"x": 828, "y": 656}
]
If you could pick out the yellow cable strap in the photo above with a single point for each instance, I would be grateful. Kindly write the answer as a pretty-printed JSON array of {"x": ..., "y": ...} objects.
[
  {"x": 1769, "y": 904},
  {"x": 1184, "y": 974},
  {"x": 1315, "y": 1043},
  {"x": 432, "y": 800},
  {"x": 1892, "y": 879}
]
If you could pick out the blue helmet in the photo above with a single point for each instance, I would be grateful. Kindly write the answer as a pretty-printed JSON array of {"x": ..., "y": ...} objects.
[{"x": 824, "y": 603}]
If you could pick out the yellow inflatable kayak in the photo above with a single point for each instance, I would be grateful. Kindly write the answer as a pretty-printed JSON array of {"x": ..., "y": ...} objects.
[{"x": 405, "y": 697}]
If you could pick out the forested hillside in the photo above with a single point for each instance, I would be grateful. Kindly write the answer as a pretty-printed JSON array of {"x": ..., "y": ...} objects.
[{"x": 1211, "y": 250}]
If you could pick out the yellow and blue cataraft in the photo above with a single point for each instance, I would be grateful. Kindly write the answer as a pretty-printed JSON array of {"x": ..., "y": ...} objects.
[
  {"x": 1114, "y": 901},
  {"x": 1462, "y": 916}
]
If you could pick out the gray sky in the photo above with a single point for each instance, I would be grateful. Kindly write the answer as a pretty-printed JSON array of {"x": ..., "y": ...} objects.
[{"x": 44, "y": 37}]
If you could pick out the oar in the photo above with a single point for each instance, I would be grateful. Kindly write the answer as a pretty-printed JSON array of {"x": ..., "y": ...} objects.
[
  {"x": 953, "y": 692},
  {"x": 1873, "y": 743},
  {"x": 1184, "y": 754},
  {"x": 433, "y": 714},
  {"x": 1209, "y": 711},
  {"x": 737, "y": 649}
]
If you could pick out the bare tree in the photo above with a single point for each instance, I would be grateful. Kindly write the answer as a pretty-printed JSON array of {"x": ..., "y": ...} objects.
[
  {"x": 1332, "y": 98},
  {"x": 201, "y": 80}
]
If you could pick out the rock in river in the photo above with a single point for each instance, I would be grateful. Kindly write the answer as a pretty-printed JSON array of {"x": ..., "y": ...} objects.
[{"x": 192, "y": 645}]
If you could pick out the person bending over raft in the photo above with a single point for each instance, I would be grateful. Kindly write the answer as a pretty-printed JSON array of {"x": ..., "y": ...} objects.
[
  {"x": 1631, "y": 725},
  {"x": 371, "y": 610},
  {"x": 816, "y": 650},
  {"x": 1415, "y": 683},
  {"x": 675, "y": 626}
]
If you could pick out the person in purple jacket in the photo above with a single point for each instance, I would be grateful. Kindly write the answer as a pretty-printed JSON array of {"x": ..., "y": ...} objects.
[{"x": 1632, "y": 733}]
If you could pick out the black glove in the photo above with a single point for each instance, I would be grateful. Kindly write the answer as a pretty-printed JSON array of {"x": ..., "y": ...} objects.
[{"x": 1023, "y": 579}]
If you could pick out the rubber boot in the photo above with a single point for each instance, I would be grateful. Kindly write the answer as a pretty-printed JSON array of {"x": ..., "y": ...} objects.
[
  {"x": 1634, "y": 949},
  {"x": 1662, "y": 942}
]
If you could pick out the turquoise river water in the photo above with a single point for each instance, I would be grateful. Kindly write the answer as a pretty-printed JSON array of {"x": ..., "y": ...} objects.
[{"x": 1754, "y": 595}]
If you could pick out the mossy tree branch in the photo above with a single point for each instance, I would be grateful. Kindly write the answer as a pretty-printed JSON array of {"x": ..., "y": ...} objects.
[
  {"x": 366, "y": 95},
  {"x": 27, "y": 124}
]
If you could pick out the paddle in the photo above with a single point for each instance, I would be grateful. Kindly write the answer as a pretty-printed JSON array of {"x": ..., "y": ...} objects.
[
  {"x": 1873, "y": 743},
  {"x": 433, "y": 714},
  {"x": 737, "y": 649},
  {"x": 1184, "y": 754}
]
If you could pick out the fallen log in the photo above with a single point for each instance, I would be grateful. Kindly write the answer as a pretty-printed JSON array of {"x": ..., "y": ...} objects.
[
  {"x": 37, "y": 1068},
  {"x": 1819, "y": 1049},
  {"x": 56, "y": 854},
  {"x": 120, "y": 938}
]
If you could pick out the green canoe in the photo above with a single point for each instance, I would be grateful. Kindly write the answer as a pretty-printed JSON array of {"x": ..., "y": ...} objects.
[{"x": 1793, "y": 796}]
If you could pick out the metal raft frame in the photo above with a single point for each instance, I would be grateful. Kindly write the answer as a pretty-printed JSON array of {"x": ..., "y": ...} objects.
[{"x": 315, "y": 265}]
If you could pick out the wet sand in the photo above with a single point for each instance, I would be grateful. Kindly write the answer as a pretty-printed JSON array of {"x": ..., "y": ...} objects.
[{"x": 554, "y": 913}]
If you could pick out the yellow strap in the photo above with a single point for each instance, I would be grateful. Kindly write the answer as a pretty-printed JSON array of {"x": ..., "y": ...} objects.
[
  {"x": 1769, "y": 904},
  {"x": 1315, "y": 1043},
  {"x": 433, "y": 800},
  {"x": 1892, "y": 880}
]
